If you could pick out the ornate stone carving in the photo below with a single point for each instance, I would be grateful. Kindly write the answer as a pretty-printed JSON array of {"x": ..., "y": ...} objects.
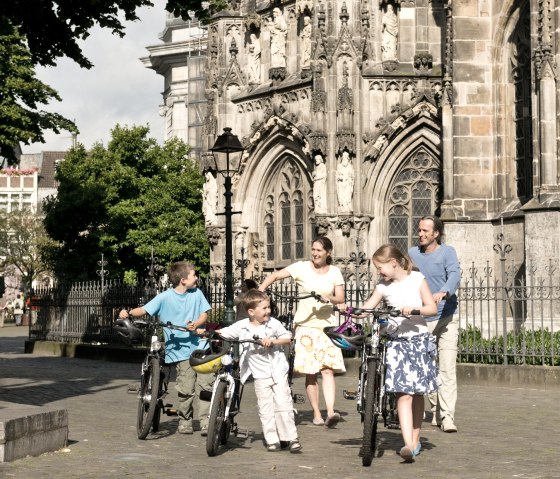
[
  {"x": 322, "y": 225},
  {"x": 345, "y": 96},
  {"x": 213, "y": 234},
  {"x": 306, "y": 43},
  {"x": 318, "y": 141},
  {"x": 389, "y": 34},
  {"x": 278, "y": 33},
  {"x": 346, "y": 141},
  {"x": 254, "y": 59},
  {"x": 423, "y": 63},
  {"x": 345, "y": 183},
  {"x": 210, "y": 199},
  {"x": 345, "y": 224},
  {"x": 320, "y": 185}
]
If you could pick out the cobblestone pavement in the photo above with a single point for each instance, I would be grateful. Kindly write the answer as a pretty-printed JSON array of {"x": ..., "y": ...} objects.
[{"x": 503, "y": 432}]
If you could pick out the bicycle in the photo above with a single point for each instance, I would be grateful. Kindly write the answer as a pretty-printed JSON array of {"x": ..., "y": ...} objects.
[
  {"x": 371, "y": 398},
  {"x": 227, "y": 391},
  {"x": 288, "y": 321},
  {"x": 155, "y": 373}
]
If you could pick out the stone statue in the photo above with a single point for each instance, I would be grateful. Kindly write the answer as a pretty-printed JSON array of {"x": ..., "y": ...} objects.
[
  {"x": 306, "y": 43},
  {"x": 210, "y": 199},
  {"x": 320, "y": 185},
  {"x": 278, "y": 34},
  {"x": 345, "y": 183},
  {"x": 254, "y": 59},
  {"x": 390, "y": 34}
]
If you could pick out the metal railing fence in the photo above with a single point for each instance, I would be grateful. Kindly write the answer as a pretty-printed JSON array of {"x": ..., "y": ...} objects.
[{"x": 509, "y": 319}]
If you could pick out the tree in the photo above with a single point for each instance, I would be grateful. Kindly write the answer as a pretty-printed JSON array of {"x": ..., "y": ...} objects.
[
  {"x": 23, "y": 243},
  {"x": 39, "y": 33},
  {"x": 54, "y": 27},
  {"x": 20, "y": 96},
  {"x": 124, "y": 200}
]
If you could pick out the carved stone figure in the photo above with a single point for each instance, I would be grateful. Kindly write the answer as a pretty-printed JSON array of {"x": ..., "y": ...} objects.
[
  {"x": 320, "y": 185},
  {"x": 210, "y": 199},
  {"x": 254, "y": 59},
  {"x": 390, "y": 34},
  {"x": 306, "y": 43},
  {"x": 278, "y": 34},
  {"x": 344, "y": 183}
]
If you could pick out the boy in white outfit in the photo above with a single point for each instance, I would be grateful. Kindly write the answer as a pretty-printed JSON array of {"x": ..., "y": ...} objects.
[{"x": 269, "y": 367}]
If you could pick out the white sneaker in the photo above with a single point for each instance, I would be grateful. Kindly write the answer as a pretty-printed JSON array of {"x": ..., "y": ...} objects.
[
  {"x": 434, "y": 420},
  {"x": 447, "y": 425}
]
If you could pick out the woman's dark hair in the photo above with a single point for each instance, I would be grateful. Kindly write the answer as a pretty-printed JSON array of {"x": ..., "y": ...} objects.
[{"x": 326, "y": 244}]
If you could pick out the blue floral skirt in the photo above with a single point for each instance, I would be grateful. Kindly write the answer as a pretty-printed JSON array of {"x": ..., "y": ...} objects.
[{"x": 411, "y": 364}]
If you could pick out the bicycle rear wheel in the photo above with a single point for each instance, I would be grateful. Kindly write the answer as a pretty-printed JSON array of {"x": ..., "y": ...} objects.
[
  {"x": 216, "y": 421},
  {"x": 371, "y": 401},
  {"x": 147, "y": 403}
]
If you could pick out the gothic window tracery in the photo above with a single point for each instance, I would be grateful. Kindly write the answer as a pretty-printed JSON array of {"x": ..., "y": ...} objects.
[
  {"x": 520, "y": 78},
  {"x": 415, "y": 193},
  {"x": 285, "y": 217}
]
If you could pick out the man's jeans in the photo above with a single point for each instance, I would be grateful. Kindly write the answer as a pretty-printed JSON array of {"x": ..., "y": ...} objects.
[{"x": 446, "y": 331}]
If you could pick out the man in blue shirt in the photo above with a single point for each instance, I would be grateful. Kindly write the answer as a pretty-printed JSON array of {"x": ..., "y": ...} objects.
[
  {"x": 440, "y": 265},
  {"x": 183, "y": 305}
]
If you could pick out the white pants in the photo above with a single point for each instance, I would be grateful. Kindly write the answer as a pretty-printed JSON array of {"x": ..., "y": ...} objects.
[
  {"x": 446, "y": 331},
  {"x": 276, "y": 410}
]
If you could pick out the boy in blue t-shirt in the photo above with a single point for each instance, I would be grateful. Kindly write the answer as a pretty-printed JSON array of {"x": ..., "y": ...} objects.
[{"x": 182, "y": 305}]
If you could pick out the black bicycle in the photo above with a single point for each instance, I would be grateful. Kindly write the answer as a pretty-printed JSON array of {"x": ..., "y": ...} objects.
[
  {"x": 371, "y": 398},
  {"x": 227, "y": 391},
  {"x": 288, "y": 321},
  {"x": 155, "y": 373}
]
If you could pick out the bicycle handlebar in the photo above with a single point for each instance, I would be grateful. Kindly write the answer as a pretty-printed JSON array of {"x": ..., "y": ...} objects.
[
  {"x": 357, "y": 312},
  {"x": 214, "y": 335},
  {"x": 312, "y": 294},
  {"x": 169, "y": 324}
]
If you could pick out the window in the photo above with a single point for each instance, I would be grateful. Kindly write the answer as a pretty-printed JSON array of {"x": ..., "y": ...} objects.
[
  {"x": 415, "y": 193},
  {"x": 285, "y": 216}
]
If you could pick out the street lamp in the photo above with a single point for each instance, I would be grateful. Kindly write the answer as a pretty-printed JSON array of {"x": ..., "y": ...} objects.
[{"x": 228, "y": 143}]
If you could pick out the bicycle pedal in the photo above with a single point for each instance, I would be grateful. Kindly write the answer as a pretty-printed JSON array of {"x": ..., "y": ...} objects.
[
  {"x": 133, "y": 388},
  {"x": 242, "y": 432},
  {"x": 298, "y": 398},
  {"x": 348, "y": 394}
]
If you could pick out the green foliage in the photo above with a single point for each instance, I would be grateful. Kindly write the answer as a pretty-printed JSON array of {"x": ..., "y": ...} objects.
[
  {"x": 54, "y": 28},
  {"x": 202, "y": 10},
  {"x": 130, "y": 278},
  {"x": 21, "y": 94},
  {"x": 524, "y": 346},
  {"x": 123, "y": 200},
  {"x": 24, "y": 245}
]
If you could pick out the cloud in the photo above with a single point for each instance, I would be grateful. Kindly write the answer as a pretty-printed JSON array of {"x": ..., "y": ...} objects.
[{"x": 118, "y": 89}]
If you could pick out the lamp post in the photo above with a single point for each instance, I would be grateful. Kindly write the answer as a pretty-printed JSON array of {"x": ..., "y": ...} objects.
[{"x": 228, "y": 143}]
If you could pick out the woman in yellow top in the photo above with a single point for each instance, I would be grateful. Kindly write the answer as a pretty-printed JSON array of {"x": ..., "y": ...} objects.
[{"x": 314, "y": 351}]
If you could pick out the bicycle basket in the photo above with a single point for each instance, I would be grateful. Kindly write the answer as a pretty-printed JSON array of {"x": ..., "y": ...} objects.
[
  {"x": 349, "y": 339},
  {"x": 127, "y": 332},
  {"x": 207, "y": 361}
]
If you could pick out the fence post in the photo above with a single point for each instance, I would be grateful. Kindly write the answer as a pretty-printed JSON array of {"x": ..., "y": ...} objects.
[{"x": 503, "y": 250}]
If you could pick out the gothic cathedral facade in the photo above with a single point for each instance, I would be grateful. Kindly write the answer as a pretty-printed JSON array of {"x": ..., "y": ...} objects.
[{"x": 359, "y": 117}]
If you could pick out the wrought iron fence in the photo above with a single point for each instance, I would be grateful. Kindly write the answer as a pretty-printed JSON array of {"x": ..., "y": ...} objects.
[{"x": 511, "y": 318}]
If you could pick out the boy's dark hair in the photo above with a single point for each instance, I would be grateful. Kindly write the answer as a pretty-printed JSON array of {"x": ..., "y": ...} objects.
[
  {"x": 253, "y": 297},
  {"x": 178, "y": 270},
  {"x": 249, "y": 283}
]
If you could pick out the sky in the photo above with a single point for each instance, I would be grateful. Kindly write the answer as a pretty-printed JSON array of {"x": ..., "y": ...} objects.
[{"x": 117, "y": 89}]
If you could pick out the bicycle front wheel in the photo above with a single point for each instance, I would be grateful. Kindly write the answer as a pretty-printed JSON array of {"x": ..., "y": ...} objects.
[
  {"x": 147, "y": 403},
  {"x": 371, "y": 390},
  {"x": 216, "y": 421}
]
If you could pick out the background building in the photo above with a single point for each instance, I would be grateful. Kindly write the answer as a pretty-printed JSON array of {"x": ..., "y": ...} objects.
[{"x": 360, "y": 117}]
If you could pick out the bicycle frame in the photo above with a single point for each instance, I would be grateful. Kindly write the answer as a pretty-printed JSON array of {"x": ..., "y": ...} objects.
[{"x": 297, "y": 398}]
